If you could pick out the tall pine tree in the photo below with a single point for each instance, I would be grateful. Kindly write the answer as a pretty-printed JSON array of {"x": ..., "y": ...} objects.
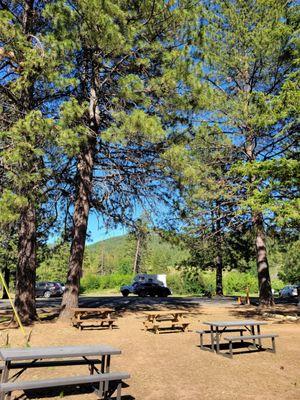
[
  {"x": 131, "y": 61},
  {"x": 250, "y": 63}
]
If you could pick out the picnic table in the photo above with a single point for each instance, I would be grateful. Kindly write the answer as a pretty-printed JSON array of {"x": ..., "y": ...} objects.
[
  {"x": 101, "y": 315},
  {"x": 219, "y": 328},
  {"x": 172, "y": 319},
  {"x": 37, "y": 357}
]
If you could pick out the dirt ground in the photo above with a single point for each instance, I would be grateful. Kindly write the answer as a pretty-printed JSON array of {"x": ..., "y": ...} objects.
[{"x": 171, "y": 365}]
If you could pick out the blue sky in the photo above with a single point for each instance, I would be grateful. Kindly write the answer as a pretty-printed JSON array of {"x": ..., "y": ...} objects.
[{"x": 97, "y": 231}]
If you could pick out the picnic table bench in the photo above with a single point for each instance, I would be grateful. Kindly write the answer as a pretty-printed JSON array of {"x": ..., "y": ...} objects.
[
  {"x": 101, "y": 315},
  {"x": 218, "y": 328},
  {"x": 61, "y": 356},
  {"x": 162, "y": 320}
]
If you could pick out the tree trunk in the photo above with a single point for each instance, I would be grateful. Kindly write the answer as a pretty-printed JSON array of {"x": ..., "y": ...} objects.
[
  {"x": 26, "y": 268},
  {"x": 137, "y": 257},
  {"x": 80, "y": 221},
  {"x": 219, "y": 261},
  {"x": 81, "y": 213},
  {"x": 264, "y": 281},
  {"x": 219, "y": 275},
  {"x": 6, "y": 278}
]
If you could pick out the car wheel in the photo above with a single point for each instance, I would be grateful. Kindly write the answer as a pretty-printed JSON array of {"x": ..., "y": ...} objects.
[
  {"x": 47, "y": 294},
  {"x": 125, "y": 293}
]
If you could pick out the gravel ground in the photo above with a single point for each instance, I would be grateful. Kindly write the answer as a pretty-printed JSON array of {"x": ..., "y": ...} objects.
[{"x": 171, "y": 365}]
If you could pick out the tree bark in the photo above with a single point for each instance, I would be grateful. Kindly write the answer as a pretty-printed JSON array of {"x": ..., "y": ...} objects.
[
  {"x": 266, "y": 298},
  {"x": 80, "y": 221},
  {"x": 137, "y": 257},
  {"x": 264, "y": 281},
  {"x": 219, "y": 275},
  {"x": 81, "y": 213},
  {"x": 26, "y": 270},
  {"x": 219, "y": 261},
  {"x": 6, "y": 278}
]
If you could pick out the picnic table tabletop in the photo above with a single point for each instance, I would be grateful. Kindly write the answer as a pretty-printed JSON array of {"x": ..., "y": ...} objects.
[
  {"x": 57, "y": 352},
  {"x": 93, "y": 310},
  {"x": 169, "y": 312},
  {"x": 235, "y": 323}
]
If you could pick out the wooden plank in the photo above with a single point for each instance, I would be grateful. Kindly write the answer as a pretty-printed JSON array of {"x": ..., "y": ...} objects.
[
  {"x": 93, "y": 310},
  {"x": 163, "y": 313}
]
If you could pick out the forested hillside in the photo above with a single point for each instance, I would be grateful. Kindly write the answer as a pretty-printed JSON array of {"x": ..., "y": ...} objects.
[
  {"x": 109, "y": 263},
  {"x": 117, "y": 255},
  {"x": 114, "y": 255}
]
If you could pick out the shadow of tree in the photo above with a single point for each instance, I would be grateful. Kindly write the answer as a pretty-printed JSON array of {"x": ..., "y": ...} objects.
[
  {"x": 69, "y": 391},
  {"x": 280, "y": 312}
]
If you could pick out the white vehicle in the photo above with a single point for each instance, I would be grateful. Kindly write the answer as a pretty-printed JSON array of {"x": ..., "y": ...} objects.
[
  {"x": 290, "y": 291},
  {"x": 161, "y": 279}
]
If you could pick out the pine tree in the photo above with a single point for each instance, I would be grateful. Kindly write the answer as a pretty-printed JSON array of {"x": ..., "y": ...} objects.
[
  {"x": 250, "y": 71},
  {"x": 28, "y": 67},
  {"x": 130, "y": 60}
]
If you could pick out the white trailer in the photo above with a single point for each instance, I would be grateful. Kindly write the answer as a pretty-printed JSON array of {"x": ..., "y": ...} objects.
[{"x": 161, "y": 279}]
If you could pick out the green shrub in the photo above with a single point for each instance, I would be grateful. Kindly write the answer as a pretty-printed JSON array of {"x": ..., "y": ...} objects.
[
  {"x": 91, "y": 282},
  {"x": 175, "y": 283},
  {"x": 187, "y": 281},
  {"x": 277, "y": 284},
  {"x": 234, "y": 281}
]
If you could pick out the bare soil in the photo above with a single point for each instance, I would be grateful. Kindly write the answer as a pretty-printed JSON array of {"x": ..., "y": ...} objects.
[{"x": 171, "y": 365}]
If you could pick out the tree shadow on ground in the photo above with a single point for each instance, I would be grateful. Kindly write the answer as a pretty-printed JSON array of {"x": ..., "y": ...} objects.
[
  {"x": 70, "y": 391},
  {"x": 282, "y": 313},
  {"x": 278, "y": 300},
  {"x": 140, "y": 304},
  {"x": 238, "y": 348}
]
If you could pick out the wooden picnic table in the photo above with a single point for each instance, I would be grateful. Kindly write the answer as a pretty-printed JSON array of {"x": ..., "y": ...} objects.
[
  {"x": 158, "y": 320},
  {"x": 219, "y": 328},
  {"x": 37, "y": 357},
  {"x": 101, "y": 314}
]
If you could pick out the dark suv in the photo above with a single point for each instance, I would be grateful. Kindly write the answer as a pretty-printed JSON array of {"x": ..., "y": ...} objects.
[{"x": 48, "y": 289}]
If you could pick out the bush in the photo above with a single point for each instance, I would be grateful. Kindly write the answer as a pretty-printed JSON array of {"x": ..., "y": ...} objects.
[
  {"x": 175, "y": 282},
  {"x": 92, "y": 282},
  {"x": 234, "y": 281},
  {"x": 188, "y": 281},
  {"x": 277, "y": 284}
]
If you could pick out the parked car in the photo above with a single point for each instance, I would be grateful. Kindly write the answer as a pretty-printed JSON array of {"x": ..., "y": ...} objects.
[
  {"x": 290, "y": 291},
  {"x": 144, "y": 289},
  {"x": 62, "y": 285},
  {"x": 48, "y": 289}
]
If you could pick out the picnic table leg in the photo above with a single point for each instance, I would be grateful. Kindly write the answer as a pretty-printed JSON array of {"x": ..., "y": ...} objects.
[
  {"x": 212, "y": 338},
  {"x": 253, "y": 333},
  {"x": 101, "y": 391},
  {"x": 4, "y": 376},
  {"x": 273, "y": 345},
  {"x": 201, "y": 341},
  {"x": 258, "y": 332},
  {"x": 218, "y": 339},
  {"x": 119, "y": 390},
  {"x": 107, "y": 368},
  {"x": 230, "y": 349},
  {"x": 156, "y": 331}
]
